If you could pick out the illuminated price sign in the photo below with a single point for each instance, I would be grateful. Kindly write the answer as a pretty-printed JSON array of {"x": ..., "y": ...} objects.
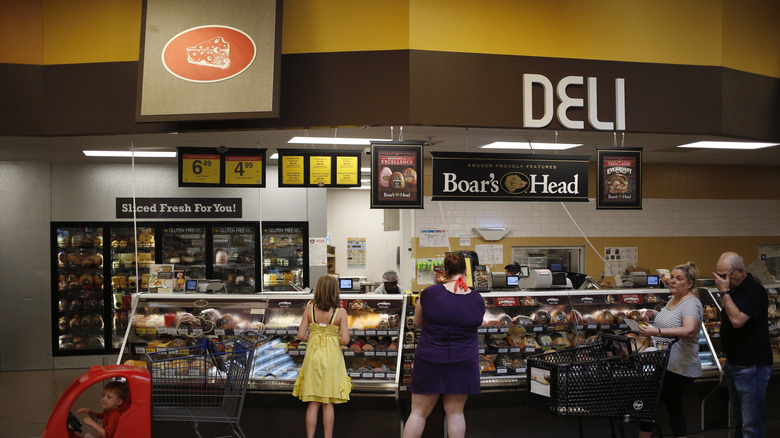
[
  {"x": 220, "y": 167},
  {"x": 308, "y": 168},
  {"x": 244, "y": 170},
  {"x": 201, "y": 169}
]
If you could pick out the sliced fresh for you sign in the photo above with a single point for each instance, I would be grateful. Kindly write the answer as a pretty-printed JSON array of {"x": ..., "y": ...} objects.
[{"x": 509, "y": 177}]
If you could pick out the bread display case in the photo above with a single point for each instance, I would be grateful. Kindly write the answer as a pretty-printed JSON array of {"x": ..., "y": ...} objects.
[
  {"x": 372, "y": 358},
  {"x": 520, "y": 324},
  {"x": 78, "y": 304},
  {"x": 97, "y": 266}
]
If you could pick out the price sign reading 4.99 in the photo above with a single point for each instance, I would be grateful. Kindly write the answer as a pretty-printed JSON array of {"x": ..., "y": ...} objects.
[
  {"x": 200, "y": 169},
  {"x": 244, "y": 170}
]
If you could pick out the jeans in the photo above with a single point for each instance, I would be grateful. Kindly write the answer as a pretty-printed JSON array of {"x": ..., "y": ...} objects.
[{"x": 747, "y": 391}]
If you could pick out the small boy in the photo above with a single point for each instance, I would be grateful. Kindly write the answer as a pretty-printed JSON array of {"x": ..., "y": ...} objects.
[{"x": 114, "y": 394}]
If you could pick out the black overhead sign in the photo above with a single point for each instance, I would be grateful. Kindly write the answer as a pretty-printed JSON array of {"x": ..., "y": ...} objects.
[
  {"x": 509, "y": 177},
  {"x": 177, "y": 208}
]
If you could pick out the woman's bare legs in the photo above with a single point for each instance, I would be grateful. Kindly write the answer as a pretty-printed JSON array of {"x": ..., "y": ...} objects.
[
  {"x": 328, "y": 418},
  {"x": 311, "y": 418},
  {"x": 422, "y": 405},
  {"x": 456, "y": 421}
]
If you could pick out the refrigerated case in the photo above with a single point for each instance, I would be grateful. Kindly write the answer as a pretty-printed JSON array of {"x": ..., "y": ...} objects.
[
  {"x": 372, "y": 358},
  {"x": 99, "y": 265},
  {"x": 520, "y": 324},
  {"x": 285, "y": 256},
  {"x": 78, "y": 301}
]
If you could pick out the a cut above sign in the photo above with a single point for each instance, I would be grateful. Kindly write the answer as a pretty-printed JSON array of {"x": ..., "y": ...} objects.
[{"x": 509, "y": 177}]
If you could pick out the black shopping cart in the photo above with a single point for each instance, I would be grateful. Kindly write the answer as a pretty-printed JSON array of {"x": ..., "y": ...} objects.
[
  {"x": 202, "y": 383},
  {"x": 607, "y": 379}
]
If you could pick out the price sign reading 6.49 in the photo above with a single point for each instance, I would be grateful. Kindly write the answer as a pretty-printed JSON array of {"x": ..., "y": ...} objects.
[
  {"x": 200, "y": 168},
  {"x": 244, "y": 170}
]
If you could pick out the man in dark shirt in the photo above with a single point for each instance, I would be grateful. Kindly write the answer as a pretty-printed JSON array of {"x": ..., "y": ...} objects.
[{"x": 744, "y": 334}]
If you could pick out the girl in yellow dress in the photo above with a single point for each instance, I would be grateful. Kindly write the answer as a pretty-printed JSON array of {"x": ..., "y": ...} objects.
[{"x": 322, "y": 379}]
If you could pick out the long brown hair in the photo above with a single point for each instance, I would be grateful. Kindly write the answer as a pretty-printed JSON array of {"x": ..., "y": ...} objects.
[
  {"x": 454, "y": 263},
  {"x": 326, "y": 293}
]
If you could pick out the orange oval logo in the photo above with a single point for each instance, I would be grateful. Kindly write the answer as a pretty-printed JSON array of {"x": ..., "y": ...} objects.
[{"x": 209, "y": 53}]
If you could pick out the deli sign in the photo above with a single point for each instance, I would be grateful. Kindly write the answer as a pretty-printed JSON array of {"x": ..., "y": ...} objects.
[{"x": 509, "y": 177}]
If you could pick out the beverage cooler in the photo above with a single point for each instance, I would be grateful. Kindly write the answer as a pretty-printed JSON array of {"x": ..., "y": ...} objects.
[
  {"x": 285, "y": 256},
  {"x": 98, "y": 265}
]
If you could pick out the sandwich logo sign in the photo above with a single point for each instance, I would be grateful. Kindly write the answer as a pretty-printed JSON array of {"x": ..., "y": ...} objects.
[
  {"x": 509, "y": 177},
  {"x": 209, "y": 53}
]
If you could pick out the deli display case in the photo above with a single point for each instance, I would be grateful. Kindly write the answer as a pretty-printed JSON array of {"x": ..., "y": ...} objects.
[
  {"x": 285, "y": 256},
  {"x": 372, "y": 358},
  {"x": 520, "y": 324},
  {"x": 235, "y": 250}
]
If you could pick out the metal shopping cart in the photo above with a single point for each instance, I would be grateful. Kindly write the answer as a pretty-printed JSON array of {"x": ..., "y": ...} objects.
[
  {"x": 608, "y": 379},
  {"x": 204, "y": 383}
]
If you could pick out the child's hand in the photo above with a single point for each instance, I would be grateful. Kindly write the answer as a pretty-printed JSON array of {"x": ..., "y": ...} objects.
[
  {"x": 89, "y": 412},
  {"x": 90, "y": 422}
]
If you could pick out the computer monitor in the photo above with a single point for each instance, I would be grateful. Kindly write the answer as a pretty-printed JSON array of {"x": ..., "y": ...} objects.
[
  {"x": 191, "y": 286},
  {"x": 652, "y": 281},
  {"x": 345, "y": 283},
  {"x": 512, "y": 280},
  {"x": 555, "y": 267}
]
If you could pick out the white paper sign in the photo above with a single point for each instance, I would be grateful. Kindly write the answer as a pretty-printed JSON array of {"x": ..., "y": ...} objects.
[
  {"x": 490, "y": 254},
  {"x": 465, "y": 241},
  {"x": 318, "y": 251},
  {"x": 433, "y": 238}
]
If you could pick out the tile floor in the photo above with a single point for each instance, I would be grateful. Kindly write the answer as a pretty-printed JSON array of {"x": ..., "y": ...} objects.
[{"x": 28, "y": 397}]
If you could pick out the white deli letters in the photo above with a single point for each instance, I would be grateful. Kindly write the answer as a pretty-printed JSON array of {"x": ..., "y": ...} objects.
[{"x": 566, "y": 102}]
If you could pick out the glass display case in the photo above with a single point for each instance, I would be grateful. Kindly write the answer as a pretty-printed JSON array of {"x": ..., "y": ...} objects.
[
  {"x": 78, "y": 304},
  {"x": 185, "y": 248},
  {"x": 235, "y": 250},
  {"x": 520, "y": 324},
  {"x": 372, "y": 358},
  {"x": 285, "y": 256}
]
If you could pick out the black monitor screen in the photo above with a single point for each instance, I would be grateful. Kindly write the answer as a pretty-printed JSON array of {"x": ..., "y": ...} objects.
[
  {"x": 652, "y": 280},
  {"x": 192, "y": 285},
  {"x": 511, "y": 280},
  {"x": 345, "y": 283}
]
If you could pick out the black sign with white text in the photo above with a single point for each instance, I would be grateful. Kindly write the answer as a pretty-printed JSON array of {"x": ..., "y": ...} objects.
[
  {"x": 509, "y": 177},
  {"x": 172, "y": 208}
]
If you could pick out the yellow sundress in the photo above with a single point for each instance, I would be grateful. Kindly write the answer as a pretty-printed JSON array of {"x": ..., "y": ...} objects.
[{"x": 323, "y": 376}]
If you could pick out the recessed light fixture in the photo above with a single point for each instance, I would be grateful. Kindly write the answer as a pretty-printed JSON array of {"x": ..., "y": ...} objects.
[
  {"x": 740, "y": 145},
  {"x": 529, "y": 146},
  {"x": 128, "y": 154},
  {"x": 335, "y": 140}
]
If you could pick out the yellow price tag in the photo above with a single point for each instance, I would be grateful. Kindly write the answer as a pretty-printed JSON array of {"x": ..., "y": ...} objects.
[
  {"x": 319, "y": 170},
  {"x": 292, "y": 170},
  {"x": 200, "y": 168},
  {"x": 347, "y": 170},
  {"x": 244, "y": 170}
]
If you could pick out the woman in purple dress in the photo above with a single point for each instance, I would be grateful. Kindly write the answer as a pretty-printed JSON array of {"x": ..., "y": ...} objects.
[{"x": 446, "y": 361}]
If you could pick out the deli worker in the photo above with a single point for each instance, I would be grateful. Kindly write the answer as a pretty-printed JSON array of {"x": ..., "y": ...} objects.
[{"x": 389, "y": 284}]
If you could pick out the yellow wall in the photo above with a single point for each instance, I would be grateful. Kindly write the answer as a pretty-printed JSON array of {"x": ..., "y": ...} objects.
[{"x": 737, "y": 34}]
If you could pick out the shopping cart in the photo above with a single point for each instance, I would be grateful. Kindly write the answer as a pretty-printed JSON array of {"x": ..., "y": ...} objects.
[
  {"x": 204, "y": 383},
  {"x": 607, "y": 379}
]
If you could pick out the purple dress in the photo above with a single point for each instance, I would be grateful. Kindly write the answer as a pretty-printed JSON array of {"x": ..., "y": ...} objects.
[{"x": 446, "y": 360}]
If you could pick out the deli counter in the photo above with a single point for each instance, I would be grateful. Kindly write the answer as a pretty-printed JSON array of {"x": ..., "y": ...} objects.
[
  {"x": 380, "y": 355},
  {"x": 166, "y": 321}
]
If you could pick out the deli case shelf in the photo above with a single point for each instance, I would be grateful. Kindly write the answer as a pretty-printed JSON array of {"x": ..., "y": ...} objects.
[
  {"x": 520, "y": 324},
  {"x": 372, "y": 358}
]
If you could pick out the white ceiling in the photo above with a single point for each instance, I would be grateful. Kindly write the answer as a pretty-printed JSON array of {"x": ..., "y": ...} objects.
[{"x": 658, "y": 148}]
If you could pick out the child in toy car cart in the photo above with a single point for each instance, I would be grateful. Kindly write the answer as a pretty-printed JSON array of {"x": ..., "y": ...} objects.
[{"x": 114, "y": 394}]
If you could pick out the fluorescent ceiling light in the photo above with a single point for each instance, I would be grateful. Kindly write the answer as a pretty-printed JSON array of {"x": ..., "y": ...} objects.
[
  {"x": 527, "y": 145},
  {"x": 363, "y": 187},
  {"x": 365, "y": 169},
  {"x": 128, "y": 154},
  {"x": 334, "y": 140},
  {"x": 274, "y": 156},
  {"x": 727, "y": 145}
]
